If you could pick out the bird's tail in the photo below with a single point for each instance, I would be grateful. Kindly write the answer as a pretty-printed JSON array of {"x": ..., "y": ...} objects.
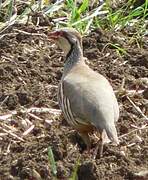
[{"x": 112, "y": 133}]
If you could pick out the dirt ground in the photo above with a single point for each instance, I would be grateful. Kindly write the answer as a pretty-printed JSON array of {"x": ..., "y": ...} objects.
[{"x": 30, "y": 69}]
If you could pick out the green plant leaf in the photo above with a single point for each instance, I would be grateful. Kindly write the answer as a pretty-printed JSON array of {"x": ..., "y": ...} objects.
[
  {"x": 137, "y": 12},
  {"x": 52, "y": 161},
  {"x": 70, "y": 3}
]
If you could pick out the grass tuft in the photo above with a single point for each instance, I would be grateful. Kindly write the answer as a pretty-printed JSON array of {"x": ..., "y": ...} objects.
[{"x": 71, "y": 13}]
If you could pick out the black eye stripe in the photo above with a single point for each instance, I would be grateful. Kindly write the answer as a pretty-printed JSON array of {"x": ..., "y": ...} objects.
[
  {"x": 70, "y": 51},
  {"x": 68, "y": 38}
]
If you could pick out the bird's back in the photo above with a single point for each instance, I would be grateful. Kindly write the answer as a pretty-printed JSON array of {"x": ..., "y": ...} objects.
[{"x": 91, "y": 98}]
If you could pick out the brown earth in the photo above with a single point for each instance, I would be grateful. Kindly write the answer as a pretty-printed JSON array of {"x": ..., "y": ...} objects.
[{"x": 30, "y": 69}]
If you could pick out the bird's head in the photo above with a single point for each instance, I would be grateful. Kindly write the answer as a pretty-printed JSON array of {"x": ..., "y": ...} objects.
[{"x": 66, "y": 38}]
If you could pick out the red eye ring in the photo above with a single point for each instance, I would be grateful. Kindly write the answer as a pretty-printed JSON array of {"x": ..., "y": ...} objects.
[{"x": 55, "y": 35}]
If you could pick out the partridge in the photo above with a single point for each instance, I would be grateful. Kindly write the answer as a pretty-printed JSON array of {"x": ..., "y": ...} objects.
[{"x": 86, "y": 97}]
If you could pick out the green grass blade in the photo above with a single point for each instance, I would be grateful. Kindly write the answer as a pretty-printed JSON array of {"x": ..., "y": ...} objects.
[
  {"x": 52, "y": 161},
  {"x": 5, "y": 3},
  {"x": 9, "y": 10},
  {"x": 146, "y": 9},
  {"x": 137, "y": 12},
  {"x": 119, "y": 49},
  {"x": 88, "y": 25},
  {"x": 70, "y": 3},
  {"x": 83, "y": 7},
  {"x": 94, "y": 14},
  {"x": 52, "y": 8}
]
